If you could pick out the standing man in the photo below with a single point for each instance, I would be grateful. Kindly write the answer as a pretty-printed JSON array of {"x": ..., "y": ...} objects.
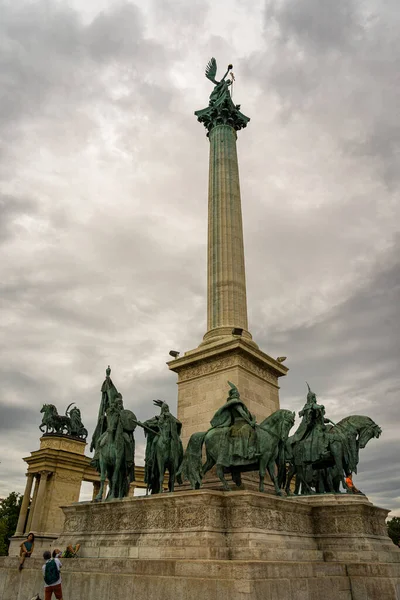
[{"x": 52, "y": 577}]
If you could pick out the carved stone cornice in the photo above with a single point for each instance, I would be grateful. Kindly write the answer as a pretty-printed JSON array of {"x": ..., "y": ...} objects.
[{"x": 224, "y": 355}]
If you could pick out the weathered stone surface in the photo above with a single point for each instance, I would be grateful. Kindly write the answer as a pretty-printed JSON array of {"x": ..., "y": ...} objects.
[
  {"x": 202, "y": 381},
  {"x": 201, "y": 524},
  {"x": 105, "y": 579}
]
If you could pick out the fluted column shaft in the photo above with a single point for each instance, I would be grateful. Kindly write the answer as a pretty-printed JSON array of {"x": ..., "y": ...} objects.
[
  {"x": 24, "y": 506},
  {"x": 33, "y": 503},
  {"x": 227, "y": 304},
  {"x": 40, "y": 500}
]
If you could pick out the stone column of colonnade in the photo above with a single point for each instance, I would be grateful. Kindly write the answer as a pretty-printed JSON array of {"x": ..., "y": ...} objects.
[
  {"x": 33, "y": 503},
  {"x": 25, "y": 505},
  {"x": 226, "y": 301},
  {"x": 38, "y": 509}
]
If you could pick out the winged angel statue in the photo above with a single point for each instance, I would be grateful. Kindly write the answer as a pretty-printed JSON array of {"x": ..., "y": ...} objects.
[{"x": 221, "y": 109}]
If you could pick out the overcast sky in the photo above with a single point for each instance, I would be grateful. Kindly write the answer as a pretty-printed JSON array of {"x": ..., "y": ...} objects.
[{"x": 104, "y": 205}]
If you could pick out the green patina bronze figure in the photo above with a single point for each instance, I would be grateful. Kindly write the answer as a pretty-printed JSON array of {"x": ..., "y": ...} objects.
[
  {"x": 69, "y": 424},
  {"x": 236, "y": 443},
  {"x": 164, "y": 449},
  {"x": 108, "y": 393},
  {"x": 221, "y": 109},
  {"x": 113, "y": 442},
  {"x": 77, "y": 428},
  {"x": 323, "y": 455},
  {"x": 240, "y": 426}
]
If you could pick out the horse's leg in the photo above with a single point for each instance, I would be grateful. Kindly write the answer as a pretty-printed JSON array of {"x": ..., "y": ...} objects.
[
  {"x": 301, "y": 487},
  {"x": 289, "y": 477},
  {"x": 210, "y": 462},
  {"x": 298, "y": 488},
  {"x": 236, "y": 477},
  {"x": 99, "y": 496},
  {"x": 262, "y": 466},
  {"x": 262, "y": 469},
  {"x": 337, "y": 454},
  {"x": 271, "y": 472},
  {"x": 111, "y": 475},
  {"x": 172, "y": 476},
  {"x": 120, "y": 477},
  {"x": 220, "y": 473},
  {"x": 161, "y": 471}
]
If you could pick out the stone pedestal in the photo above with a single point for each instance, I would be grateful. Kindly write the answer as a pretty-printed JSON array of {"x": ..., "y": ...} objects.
[
  {"x": 58, "y": 469},
  {"x": 222, "y": 546},
  {"x": 203, "y": 376}
]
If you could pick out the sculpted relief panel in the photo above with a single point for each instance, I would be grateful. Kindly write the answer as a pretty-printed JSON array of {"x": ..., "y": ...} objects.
[{"x": 207, "y": 367}]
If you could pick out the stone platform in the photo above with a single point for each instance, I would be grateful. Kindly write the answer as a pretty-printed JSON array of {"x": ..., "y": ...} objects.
[{"x": 207, "y": 544}]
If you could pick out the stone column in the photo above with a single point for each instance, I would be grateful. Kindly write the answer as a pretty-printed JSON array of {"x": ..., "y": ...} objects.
[
  {"x": 24, "y": 506},
  {"x": 227, "y": 304},
  {"x": 40, "y": 500},
  {"x": 33, "y": 503}
]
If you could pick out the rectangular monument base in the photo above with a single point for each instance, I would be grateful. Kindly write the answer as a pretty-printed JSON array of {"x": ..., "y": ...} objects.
[
  {"x": 203, "y": 376},
  {"x": 213, "y": 545}
]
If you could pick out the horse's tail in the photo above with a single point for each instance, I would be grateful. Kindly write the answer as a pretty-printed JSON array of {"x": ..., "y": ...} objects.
[{"x": 191, "y": 466}]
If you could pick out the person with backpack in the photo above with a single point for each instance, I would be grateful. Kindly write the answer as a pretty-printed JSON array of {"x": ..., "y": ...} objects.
[{"x": 52, "y": 576}]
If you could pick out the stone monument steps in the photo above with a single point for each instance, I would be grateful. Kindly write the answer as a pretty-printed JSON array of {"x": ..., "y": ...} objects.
[
  {"x": 94, "y": 579},
  {"x": 107, "y": 579}
]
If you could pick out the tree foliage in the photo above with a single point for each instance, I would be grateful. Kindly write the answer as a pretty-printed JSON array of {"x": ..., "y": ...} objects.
[
  {"x": 393, "y": 527},
  {"x": 9, "y": 512}
]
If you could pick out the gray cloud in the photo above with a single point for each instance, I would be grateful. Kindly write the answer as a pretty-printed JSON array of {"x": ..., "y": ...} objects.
[{"x": 104, "y": 200}]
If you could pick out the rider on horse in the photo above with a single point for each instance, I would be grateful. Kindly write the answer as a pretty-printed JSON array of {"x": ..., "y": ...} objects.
[
  {"x": 165, "y": 428},
  {"x": 111, "y": 413},
  {"x": 241, "y": 437},
  {"x": 114, "y": 443},
  {"x": 311, "y": 433}
]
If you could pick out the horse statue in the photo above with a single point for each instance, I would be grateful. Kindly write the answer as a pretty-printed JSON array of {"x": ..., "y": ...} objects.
[
  {"x": 164, "y": 450},
  {"x": 115, "y": 451},
  {"x": 271, "y": 436},
  {"x": 338, "y": 457},
  {"x": 53, "y": 422}
]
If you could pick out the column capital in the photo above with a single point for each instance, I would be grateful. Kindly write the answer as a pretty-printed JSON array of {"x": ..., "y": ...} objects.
[
  {"x": 44, "y": 473},
  {"x": 226, "y": 113}
]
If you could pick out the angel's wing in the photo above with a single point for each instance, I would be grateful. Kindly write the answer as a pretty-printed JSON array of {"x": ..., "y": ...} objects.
[{"x": 211, "y": 70}]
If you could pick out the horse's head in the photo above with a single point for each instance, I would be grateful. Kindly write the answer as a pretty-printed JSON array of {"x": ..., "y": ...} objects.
[
  {"x": 279, "y": 423},
  {"x": 287, "y": 423},
  {"x": 369, "y": 431},
  {"x": 49, "y": 409}
]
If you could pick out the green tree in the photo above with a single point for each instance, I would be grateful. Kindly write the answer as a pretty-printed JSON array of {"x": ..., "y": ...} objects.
[
  {"x": 9, "y": 512},
  {"x": 393, "y": 527}
]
